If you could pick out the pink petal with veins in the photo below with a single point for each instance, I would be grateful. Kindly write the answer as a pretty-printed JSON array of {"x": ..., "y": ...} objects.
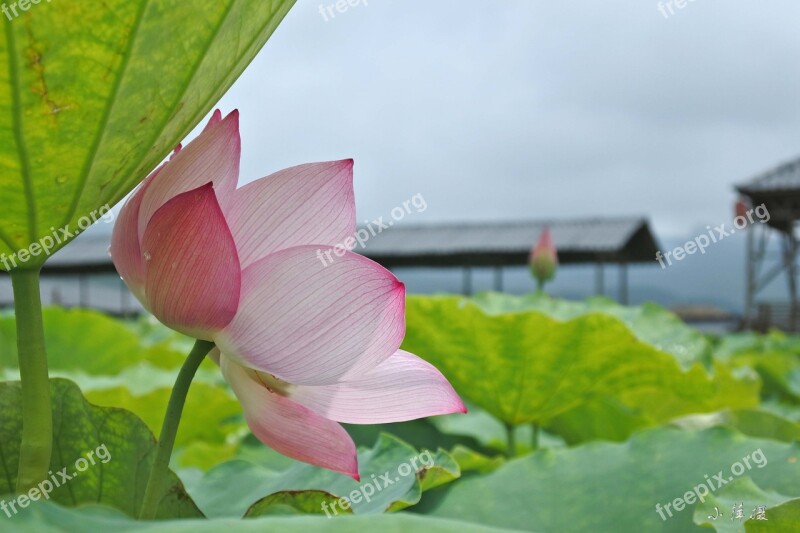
[
  {"x": 212, "y": 157},
  {"x": 126, "y": 253},
  {"x": 192, "y": 274},
  {"x": 311, "y": 324},
  {"x": 288, "y": 427},
  {"x": 404, "y": 387},
  {"x": 306, "y": 204}
]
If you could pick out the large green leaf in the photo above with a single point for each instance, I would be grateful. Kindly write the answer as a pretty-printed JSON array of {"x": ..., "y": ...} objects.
[
  {"x": 211, "y": 415},
  {"x": 95, "y": 94},
  {"x": 232, "y": 487},
  {"x": 649, "y": 322},
  {"x": 527, "y": 367},
  {"x": 609, "y": 487},
  {"x": 128, "y": 449}
]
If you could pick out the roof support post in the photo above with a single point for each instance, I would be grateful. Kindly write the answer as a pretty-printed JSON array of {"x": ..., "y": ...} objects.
[
  {"x": 623, "y": 282},
  {"x": 83, "y": 291},
  {"x": 467, "y": 289},
  {"x": 599, "y": 279},
  {"x": 498, "y": 279},
  {"x": 750, "y": 279},
  {"x": 790, "y": 263}
]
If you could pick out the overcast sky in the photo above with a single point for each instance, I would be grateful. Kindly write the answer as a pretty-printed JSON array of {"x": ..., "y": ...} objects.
[{"x": 514, "y": 109}]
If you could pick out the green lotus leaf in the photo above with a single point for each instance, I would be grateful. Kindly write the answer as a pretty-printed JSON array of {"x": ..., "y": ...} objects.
[
  {"x": 649, "y": 322},
  {"x": 526, "y": 367},
  {"x": 612, "y": 487},
  {"x": 115, "y": 450},
  {"x": 211, "y": 414},
  {"x": 95, "y": 94},
  {"x": 393, "y": 476}
]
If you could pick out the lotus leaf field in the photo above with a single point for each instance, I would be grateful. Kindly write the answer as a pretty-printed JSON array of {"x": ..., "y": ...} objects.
[{"x": 593, "y": 407}]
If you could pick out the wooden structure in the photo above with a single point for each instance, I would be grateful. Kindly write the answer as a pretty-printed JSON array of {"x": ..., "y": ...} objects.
[
  {"x": 600, "y": 241},
  {"x": 778, "y": 191}
]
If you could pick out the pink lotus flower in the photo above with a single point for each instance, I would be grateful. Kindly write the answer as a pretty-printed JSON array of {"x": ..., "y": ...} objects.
[
  {"x": 303, "y": 345},
  {"x": 544, "y": 259}
]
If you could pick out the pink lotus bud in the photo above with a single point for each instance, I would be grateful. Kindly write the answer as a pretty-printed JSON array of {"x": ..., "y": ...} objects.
[
  {"x": 544, "y": 259},
  {"x": 742, "y": 207}
]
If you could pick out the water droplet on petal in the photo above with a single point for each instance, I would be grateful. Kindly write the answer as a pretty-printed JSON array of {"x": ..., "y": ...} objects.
[{"x": 147, "y": 256}]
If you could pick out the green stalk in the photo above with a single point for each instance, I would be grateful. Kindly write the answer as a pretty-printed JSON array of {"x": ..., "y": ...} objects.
[
  {"x": 512, "y": 443},
  {"x": 166, "y": 442},
  {"x": 535, "y": 440},
  {"x": 37, "y": 413}
]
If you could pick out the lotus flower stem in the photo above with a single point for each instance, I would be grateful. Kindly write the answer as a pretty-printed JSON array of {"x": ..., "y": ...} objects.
[
  {"x": 535, "y": 441},
  {"x": 166, "y": 441},
  {"x": 37, "y": 414}
]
